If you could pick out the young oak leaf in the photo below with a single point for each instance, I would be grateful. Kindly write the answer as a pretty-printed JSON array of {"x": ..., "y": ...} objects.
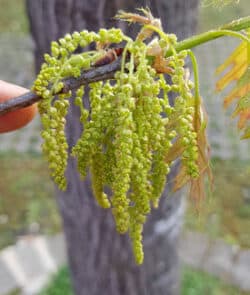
[
  {"x": 246, "y": 133},
  {"x": 197, "y": 185},
  {"x": 243, "y": 110},
  {"x": 175, "y": 151},
  {"x": 239, "y": 61},
  {"x": 146, "y": 18}
]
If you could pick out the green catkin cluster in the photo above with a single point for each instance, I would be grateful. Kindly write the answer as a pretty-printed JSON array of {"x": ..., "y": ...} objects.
[
  {"x": 184, "y": 114},
  {"x": 129, "y": 128},
  {"x": 60, "y": 64}
]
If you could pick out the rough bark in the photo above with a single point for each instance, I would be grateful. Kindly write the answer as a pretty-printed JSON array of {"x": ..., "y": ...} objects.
[{"x": 100, "y": 260}]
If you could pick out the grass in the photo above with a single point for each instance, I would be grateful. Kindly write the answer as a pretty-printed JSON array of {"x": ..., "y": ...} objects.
[
  {"x": 15, "y": 292},
  {"x": 27, "y": 202},
  {"x": 192, "y": 283},
  {"x": 59, "y": 284},
  {"x": 197, "y": 283},
  {"x": 13, "y": 17}
]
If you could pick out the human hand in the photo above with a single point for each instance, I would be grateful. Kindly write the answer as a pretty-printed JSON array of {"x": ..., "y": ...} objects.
[{"x": 15, "y": 119}]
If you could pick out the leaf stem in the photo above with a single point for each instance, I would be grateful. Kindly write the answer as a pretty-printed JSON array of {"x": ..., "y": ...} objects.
[
  {"x": 238, "y": 25},
  {"x": 230, "y": 29},
  {"x": 196, "y": 74},
  {"x": 197, "y": 101}
]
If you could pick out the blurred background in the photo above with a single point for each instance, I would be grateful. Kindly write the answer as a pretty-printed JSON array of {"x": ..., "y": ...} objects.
[{"x": 27, "y": 206}]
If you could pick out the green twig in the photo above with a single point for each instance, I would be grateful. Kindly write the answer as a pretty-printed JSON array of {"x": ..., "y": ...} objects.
[
  {"x": 237, "y": 25},
  {"x": 230, "y": 29}
]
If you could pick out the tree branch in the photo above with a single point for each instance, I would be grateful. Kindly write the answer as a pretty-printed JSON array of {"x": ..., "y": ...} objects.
[
  {"x": 95, "y": 74},
  {"x": 107, "y": 71}
]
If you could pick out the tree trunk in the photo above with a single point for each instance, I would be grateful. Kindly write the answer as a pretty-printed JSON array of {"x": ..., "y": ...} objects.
[{"x": 100, "y": 260}]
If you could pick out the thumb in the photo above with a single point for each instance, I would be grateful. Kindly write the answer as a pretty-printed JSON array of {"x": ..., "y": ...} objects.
[{"x": 18, "y": 118}]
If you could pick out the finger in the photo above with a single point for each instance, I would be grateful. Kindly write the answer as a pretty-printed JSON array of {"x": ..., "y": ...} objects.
[{"x": 15, "y": 119}]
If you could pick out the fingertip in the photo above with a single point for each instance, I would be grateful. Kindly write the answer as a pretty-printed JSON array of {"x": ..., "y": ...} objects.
[{"x": 19, "y": 118}]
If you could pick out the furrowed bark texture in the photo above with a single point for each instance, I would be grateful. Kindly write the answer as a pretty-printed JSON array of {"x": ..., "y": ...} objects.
[{"x": 100, "y": 260}]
